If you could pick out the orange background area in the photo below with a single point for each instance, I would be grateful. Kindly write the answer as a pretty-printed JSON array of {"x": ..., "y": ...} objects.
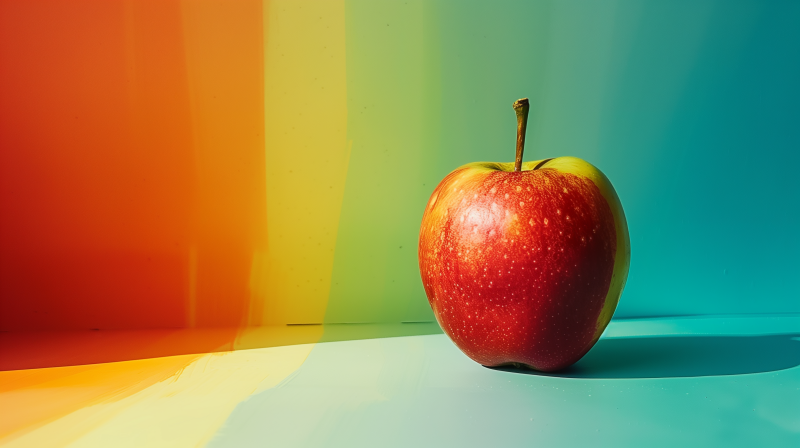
[{"x": 132, "y": 167}]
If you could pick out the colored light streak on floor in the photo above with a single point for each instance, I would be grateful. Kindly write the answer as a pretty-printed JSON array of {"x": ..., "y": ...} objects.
[
  {"x": 711, "y": 381},
  {"x": 48, "y": 380},
  {"x": 172, "y": 402},
  {"x": 43, "y": 349},
  {"x": 37, "y": 397},
  {"x": 38, "y": 350}
]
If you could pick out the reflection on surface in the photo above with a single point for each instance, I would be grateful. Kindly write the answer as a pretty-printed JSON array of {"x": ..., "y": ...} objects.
[
  {"x": 365, "y": 393},
  {"x": 68, "y": 378},
  {"x": 683, "y": 356},
  {"x": 41, "y": 349}
]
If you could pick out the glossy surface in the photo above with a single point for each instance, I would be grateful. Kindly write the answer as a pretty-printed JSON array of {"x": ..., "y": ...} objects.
[
  {"x": 517, "y": 266},
  {"x": 694, "y": 382},
  {"x": 691, "y": 382}
]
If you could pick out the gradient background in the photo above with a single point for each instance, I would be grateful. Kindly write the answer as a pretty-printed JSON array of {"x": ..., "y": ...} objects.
[
  {"x": 195, "y": 178},
  {"x": 180, "y": 164}
]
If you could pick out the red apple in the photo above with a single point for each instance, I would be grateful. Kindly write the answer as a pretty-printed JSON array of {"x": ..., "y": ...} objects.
[{"x": 524, "y": 263}]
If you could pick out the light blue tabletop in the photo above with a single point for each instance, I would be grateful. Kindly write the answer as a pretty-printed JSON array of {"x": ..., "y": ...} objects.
[{"x": 724, "y": 381}]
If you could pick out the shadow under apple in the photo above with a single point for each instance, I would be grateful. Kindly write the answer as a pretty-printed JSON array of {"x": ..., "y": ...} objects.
[{"x": 681, "y": 356}]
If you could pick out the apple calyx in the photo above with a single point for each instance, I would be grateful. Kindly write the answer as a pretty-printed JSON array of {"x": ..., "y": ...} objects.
[{"x": 521, "y": 107}]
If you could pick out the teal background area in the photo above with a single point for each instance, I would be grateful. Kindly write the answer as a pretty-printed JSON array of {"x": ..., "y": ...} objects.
[{"x": 691, "y": 108}]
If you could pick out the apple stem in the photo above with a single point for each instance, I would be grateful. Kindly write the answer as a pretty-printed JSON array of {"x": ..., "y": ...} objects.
[{"x": 521, "y": 107}]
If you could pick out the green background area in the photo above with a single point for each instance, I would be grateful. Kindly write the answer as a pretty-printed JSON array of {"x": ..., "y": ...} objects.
[{"x": 689, "y": 107}]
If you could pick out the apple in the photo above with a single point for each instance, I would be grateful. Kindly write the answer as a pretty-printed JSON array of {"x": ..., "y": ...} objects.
[{"x": 524, "y": 263}]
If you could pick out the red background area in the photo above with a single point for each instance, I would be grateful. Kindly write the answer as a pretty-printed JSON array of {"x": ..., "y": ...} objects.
[{"x": 118, "y": 206}]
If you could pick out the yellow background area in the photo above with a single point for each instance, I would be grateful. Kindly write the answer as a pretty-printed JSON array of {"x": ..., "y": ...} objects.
[{"x": 306, "y": 155}]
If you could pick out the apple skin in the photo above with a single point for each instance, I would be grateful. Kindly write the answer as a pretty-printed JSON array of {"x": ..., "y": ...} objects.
[{"x": 524, "y": 268}]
